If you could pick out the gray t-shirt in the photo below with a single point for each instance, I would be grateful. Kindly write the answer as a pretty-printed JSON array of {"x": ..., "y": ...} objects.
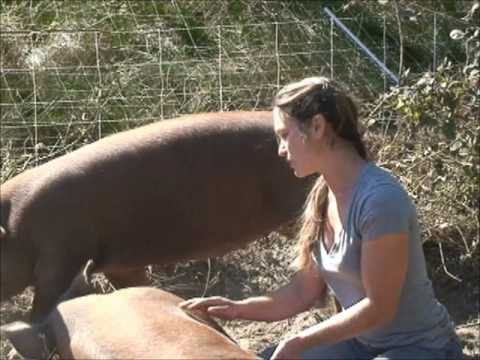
[{"x": 381, "y": 206}]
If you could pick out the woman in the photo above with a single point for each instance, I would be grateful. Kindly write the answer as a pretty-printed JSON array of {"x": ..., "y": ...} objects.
[{"x": 359, "y": 236}]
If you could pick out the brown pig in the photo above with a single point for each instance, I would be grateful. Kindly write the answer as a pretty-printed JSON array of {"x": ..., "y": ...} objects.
[
  {"x": 132, "y": 323},
  {"x": 178, "y": 189}
]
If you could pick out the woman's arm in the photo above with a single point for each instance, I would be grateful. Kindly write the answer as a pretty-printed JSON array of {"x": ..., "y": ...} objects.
[
  {"x": 298, "y": 295},
  {"x": 384, "y": 266}
]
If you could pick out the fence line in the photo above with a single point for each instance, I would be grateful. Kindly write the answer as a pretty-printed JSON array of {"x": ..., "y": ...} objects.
[
  {"x": 362, "y": 46},
  {"x": 100, "y": 83},
  {"x": 220, "y": 90},
  {"x": 72, "y": 86},
  {"x": 35, "y": 118},
  {"x": 434, "y": 42}
]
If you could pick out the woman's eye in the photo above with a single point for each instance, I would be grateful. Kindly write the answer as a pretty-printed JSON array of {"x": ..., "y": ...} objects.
[{"x": 281, "y": 137}]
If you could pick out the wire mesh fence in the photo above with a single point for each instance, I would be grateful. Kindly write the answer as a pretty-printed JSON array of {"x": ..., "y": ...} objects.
[{"x": 65, "y": 86}]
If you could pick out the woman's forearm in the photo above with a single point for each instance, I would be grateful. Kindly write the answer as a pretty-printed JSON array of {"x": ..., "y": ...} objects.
[
  {"x": 357, "y": 319},
  {"x": 297, "y": 296},
  {"x": 266, "y": 308}
]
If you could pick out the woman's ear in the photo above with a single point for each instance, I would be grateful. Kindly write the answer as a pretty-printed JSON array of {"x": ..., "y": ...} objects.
[{"x": 318, "y": 127}]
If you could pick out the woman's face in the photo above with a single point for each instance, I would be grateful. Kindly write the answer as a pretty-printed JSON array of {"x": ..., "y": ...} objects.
[{"x": 294, "y": 145}]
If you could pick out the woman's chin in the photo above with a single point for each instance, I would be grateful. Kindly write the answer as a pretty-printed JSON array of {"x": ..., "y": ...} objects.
[
  {"x": 298, "y": 173},
  {"x": 302, "y": 174}
]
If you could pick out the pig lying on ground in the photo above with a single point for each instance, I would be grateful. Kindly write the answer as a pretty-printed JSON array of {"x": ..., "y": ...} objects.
[
  {"x": 193, "y": 187},
  {"x": 133, "y": 323}
]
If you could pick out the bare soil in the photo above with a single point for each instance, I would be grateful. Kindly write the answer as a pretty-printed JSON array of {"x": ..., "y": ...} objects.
[{"x": 263, "y": 266}]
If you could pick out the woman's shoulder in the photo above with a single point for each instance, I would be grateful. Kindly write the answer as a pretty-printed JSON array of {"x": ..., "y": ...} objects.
[
  {"x": 378, "y": 177},
  {"x": 380, "y": 186},
  {"x": 382, "y": 205}
]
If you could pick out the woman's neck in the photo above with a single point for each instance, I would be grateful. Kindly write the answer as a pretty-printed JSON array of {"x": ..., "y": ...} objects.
[{"x": 341, "y": 171}]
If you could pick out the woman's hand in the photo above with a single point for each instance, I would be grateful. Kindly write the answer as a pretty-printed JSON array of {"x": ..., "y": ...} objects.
[
  {"x": 291, "y": 348},
  {"x": 216, "y": 306}
]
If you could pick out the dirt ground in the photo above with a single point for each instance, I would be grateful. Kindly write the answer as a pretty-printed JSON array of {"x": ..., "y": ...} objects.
[{"x": 260, "y": 267}]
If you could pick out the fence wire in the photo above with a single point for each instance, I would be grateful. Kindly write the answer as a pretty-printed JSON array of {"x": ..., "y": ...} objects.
[{"x": 61, "y": 88}]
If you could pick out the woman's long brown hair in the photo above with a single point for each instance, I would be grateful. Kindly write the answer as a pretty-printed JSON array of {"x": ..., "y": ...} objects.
[{"x": 301, "y": 101}]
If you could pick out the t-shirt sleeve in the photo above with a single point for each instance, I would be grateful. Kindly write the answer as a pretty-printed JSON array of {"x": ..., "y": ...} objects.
[{"x": 387, "y": 211}]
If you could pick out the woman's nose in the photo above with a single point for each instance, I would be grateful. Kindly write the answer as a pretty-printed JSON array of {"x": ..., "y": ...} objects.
[{"x": 282, "y": 149}]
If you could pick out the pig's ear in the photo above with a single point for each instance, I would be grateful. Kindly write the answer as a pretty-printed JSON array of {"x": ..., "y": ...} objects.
[{"x": 29, "y": 341}]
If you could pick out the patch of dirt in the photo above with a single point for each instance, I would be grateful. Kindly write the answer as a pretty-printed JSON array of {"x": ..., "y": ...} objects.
[{"x": 257, "y": 269}]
